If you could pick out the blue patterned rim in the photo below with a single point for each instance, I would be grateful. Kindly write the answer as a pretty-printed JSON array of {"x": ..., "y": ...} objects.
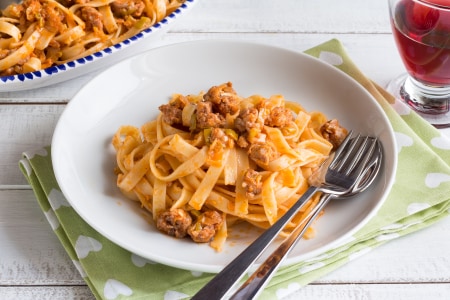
[{"x": 99, "y": 54}]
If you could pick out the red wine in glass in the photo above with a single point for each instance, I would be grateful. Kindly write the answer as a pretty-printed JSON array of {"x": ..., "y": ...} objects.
[{"x": 421, "y": 29}]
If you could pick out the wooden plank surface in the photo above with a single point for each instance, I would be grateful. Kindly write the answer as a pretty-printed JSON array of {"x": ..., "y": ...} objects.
[
  {"x": 299, "y": 16},
  {"x": 33, "y": 264},
  {"x": 310, "y": 292}
]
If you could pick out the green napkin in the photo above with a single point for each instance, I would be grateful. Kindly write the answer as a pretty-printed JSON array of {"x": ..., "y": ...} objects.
[{"x": 419, "y": 197}]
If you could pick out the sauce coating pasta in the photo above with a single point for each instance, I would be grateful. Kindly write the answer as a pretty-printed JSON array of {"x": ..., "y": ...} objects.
[
  {"x": 37, "y": 34},
  {"x": 213, "y": 159}
]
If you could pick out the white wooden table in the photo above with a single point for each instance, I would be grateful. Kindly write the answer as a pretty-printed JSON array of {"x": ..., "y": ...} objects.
[{"x": 33, "y": 264}]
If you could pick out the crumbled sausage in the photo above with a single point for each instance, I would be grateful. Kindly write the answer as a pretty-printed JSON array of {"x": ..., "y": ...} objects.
[
  {"x": 206, "y": 118},
  {"x": 224, "y": 98},
  {"x": 204, "y": 229},
  {"x": 219, "y": 135},
  {"x": 279, "y": 117},
  {"x": 262, "y": 153},
  {"x": 334, "y": 133},
  {"x": 33, "y": 7},
  {"x": 92, "y": 17},
  {"x": 174, "y": 222},
  {"x": 242, "y": 142},
  {"x": 252, "y": 183},
  {"x": 172, "y": 112},
  {"x": 248, "y": 119},
  {"x": 124, "y": 8}
]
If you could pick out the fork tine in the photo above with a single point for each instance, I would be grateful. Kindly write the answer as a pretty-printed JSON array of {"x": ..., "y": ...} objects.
[
  {"x": 348, "y": 166},
  {"x": 356, "y": 154},
  {"x": 344, "y": 152},
  {"x": 362, "y": 156},
  {"x": 340, "y": 149},
  {"x": 362, "y": 164}
]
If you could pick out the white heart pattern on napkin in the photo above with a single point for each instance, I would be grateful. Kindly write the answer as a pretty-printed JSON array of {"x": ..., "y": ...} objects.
[
  {"x": 433, "y": 180},
  {"x": 196, "y": 273},
  {"x": 403, "y": 140},
  {"x": 57, "y": 199},
  {"x": 331, "y": 58},
  {"x": 139, "y": 261},
  {"x": 41, "y": 152},
  {"x": 416, "y": 207},
  {"x": 441, "y": 142},
  {"x": 174, "y": 295},
  {"x": 114, "y": 288},
  {"x": 84, "y": 245}
]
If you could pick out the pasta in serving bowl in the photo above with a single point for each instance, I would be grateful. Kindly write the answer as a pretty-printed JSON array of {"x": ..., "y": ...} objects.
[{"x": 43, "y": 42}]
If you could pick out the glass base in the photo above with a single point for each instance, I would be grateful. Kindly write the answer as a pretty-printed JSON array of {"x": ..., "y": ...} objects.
[{"x": 432, "y": 104}]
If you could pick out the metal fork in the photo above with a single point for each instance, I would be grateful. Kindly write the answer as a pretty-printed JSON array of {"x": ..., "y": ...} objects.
[
  {"x": 251, "y": 288},
  {"x": 336, "y": 176}
]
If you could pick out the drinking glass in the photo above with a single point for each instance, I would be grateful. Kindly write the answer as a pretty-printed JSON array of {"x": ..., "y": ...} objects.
[{"x": 421, "y": 29}]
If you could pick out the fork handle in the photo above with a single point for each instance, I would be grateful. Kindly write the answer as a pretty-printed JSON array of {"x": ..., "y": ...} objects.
[
  {"x": 222, "y": 283},
  {"x": 259, "y": 279}
]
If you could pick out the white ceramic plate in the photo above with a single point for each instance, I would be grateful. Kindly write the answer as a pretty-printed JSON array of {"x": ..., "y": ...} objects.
[
  {"x": 130, "y": 93},
  {"x": 141, "y": 42}
]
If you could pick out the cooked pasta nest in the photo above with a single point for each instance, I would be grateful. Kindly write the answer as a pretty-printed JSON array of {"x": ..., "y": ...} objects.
[{"x": 211, "y": 160}]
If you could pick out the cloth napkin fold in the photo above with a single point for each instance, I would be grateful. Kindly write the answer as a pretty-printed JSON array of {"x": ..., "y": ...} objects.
[{"x": 419, "y": 197}]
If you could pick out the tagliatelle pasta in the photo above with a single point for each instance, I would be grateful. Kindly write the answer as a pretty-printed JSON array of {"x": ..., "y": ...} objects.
[
  {"x": 37, "y": 34},
  {"x": 213, "y": 159}
]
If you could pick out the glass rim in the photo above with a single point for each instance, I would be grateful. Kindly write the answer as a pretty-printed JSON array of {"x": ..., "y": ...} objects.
[{"x": 433, "y": 4}]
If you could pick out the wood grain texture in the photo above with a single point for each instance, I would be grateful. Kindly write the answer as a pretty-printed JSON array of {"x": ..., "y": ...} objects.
[
  {"x": 300, "y": 16},
  {"x": 30, "y": 252},
  {"x": 23, "y": 127},
  {"x": 34, "y": 265},
  {"x": 370, "y": 291},
  {"x": 46, "y": 293},
  {"x": 311, "y": 292}
]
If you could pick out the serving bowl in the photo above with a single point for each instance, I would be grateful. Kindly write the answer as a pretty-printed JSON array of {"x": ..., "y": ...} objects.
[{"x": 144, "y": 40}]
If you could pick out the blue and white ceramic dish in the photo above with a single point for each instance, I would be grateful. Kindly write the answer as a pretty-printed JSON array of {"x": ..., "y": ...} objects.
[{"x": 142, "y": 41}]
